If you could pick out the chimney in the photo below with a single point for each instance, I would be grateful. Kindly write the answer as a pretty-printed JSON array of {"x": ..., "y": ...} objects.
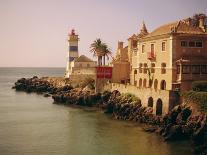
[{"x": 120, "y": 45}]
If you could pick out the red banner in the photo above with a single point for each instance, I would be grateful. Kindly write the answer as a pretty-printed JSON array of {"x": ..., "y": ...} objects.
[{"x": 104, "y": 72}]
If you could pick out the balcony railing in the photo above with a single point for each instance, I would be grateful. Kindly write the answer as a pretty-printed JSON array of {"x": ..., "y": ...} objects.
[{"x": 151, "y": 55}]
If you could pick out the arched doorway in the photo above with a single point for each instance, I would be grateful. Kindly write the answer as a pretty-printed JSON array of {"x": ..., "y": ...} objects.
[
  {"x": 155, "y": 84},
  {"x": 135, "y": 81},
  {"x": 163, "y": 85},
  {"x": 150, "y": 102},
  {"x": 140, "y": 83},
  {"x": 159, "y": 107},
  {"x": 144, "y": 83}
]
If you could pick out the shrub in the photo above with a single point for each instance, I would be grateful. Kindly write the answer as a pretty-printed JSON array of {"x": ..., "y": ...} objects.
[
  {"x": 130, "y": 97},
  {"x": 199, "y": 86},
  {"x": 90, "y": 82},
  {"x": 199, "y": 98}
]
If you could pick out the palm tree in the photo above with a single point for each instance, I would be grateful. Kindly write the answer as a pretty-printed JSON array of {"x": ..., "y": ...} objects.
[
  {"x": 106, "y": 52},
  {"x": 100, "y": 49},
  {"x": 96, "y": 49}
]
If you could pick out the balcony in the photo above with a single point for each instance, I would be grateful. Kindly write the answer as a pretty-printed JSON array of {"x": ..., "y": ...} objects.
[{"x": 151, "y": 55}]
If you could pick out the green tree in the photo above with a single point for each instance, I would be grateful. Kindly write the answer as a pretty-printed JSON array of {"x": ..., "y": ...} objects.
[
  {"x": 96, "y": 49},
  {"x": 106, "y": 53},
  {"x": 101, "y": 50}
]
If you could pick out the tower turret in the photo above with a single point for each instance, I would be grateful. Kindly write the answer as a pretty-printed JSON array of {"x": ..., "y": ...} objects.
[
  {"x": 72, "y": 50},
  {"x": 143, "y": 31}
]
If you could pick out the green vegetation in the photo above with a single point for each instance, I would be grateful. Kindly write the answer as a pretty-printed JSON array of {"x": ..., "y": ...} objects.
[
  {"x": 197, "y": 95},
  {"x": 89, "y": 82},
  {"x": 199, "y": 86},
  {"x": 131, "y": 97},
  {"x": 100, "y": 49},
  {"x": 199, "y": 98}
]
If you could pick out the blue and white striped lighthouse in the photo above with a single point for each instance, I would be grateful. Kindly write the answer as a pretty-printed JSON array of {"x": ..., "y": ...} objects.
[{"x": 72, "y": 50}]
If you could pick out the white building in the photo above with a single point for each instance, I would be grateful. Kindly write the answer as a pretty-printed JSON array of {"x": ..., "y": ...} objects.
[{"x": 78, "y": 67}]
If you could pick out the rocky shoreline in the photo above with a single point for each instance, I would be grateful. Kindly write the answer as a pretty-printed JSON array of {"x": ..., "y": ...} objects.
[{"x": 180, "y": 123}]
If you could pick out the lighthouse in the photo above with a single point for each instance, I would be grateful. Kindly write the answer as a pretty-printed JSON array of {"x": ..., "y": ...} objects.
[{"x": 72, "y": 51}]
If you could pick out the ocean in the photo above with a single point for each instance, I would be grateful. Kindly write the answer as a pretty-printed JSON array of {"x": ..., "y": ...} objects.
[{"x": 31, "y": 124}]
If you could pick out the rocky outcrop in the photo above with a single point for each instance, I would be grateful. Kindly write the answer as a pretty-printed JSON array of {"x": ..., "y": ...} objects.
[
  {"x": 41, "y": 85},
  {"x": 180, "y": 123}
]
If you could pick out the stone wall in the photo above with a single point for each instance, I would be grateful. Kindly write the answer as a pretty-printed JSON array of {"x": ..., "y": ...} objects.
[
  {"x": 168, "y": 98},
  {"x": 76, "y": 79}
]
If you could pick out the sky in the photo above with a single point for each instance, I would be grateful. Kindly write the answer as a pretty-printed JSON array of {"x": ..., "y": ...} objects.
[{"x": 33, "y": 33}]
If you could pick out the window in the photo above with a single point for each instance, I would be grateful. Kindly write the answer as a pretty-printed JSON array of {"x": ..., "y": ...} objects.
[
  {"x": 134, "y": 44},
  {"x": 204, "y": 69},
  {"x": 155, "y": 84},
  {"x": 145, "y": 68},
  {"x": 163, "y": 68},
  {"x": 195, "y": 69},
  {"x": 144, "y": 83},
  {"x": 135, "y": 82},
  {"x": 140, "y": 82},
  {"x": 88, "y": 65},
  {"x": 199, "y": 44},
  {"x": 73, "y": 48},
  {"x": 185, "y": 69},
  {"x": 143, "y": 48},
  {"x": 191, "y": 43},
  {"x": 183, "y": 43},
  {"x": 163, "y": 85},
  {"x": 152, "y": 68},
  {"x": 163, "y": 46},
  {"x": 178, "y": 69},
  {"x": 140, "y": 68},
  {"x": 152, "y": 48},
  {"x": 80, "y": 65},
  {"x": 150, "y": 83}
]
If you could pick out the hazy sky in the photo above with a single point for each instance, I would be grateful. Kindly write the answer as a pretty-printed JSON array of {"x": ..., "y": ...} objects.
[{"x": 33, "y": 33}]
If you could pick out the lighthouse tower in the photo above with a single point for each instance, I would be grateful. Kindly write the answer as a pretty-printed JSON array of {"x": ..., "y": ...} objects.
[{"x": 72, "y": 51}]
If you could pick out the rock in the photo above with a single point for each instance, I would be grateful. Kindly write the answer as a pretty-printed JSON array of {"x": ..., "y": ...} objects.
[
  {"x": 109, "y": 109},
  {"x": 47, "y": 95},
  {"x": 183, "y": 115},
  {"x": 201, "y": 149},
  {"x": 198, "y": 135},
  {"x": 174, "y": 133},
  {"x": 34, "y": 77},
  {"x": 150, "y": 128}
]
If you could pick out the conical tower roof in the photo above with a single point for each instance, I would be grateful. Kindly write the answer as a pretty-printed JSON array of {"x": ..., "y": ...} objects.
[{"x": 143, "y": 31}]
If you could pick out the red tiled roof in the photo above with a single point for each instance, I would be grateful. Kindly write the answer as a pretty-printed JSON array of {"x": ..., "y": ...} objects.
[{"x": 176, "y": 27}]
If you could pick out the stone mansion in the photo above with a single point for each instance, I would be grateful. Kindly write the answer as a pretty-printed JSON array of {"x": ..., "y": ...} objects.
[{"x": 162, "y": 62}]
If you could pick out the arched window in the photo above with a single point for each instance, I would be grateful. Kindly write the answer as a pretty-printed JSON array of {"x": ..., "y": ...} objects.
[
  {"x": 145, "y": 68},
  {"x": 150, "y": 83},
  {"x": 155, "y": 84},
  {"x": 163, "y": 68},
  {"x": 145, "y": 83},
  {"x": 135, "y": 81},
  {"x": 140, "y": 68},
  {"x": 140, "y": 82},
  {"x": 159, "y": 107},
  {"x": 152, "y": 67},
  {"x": 150, "y": 102},
  {"x": 163, "y": 85}
]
